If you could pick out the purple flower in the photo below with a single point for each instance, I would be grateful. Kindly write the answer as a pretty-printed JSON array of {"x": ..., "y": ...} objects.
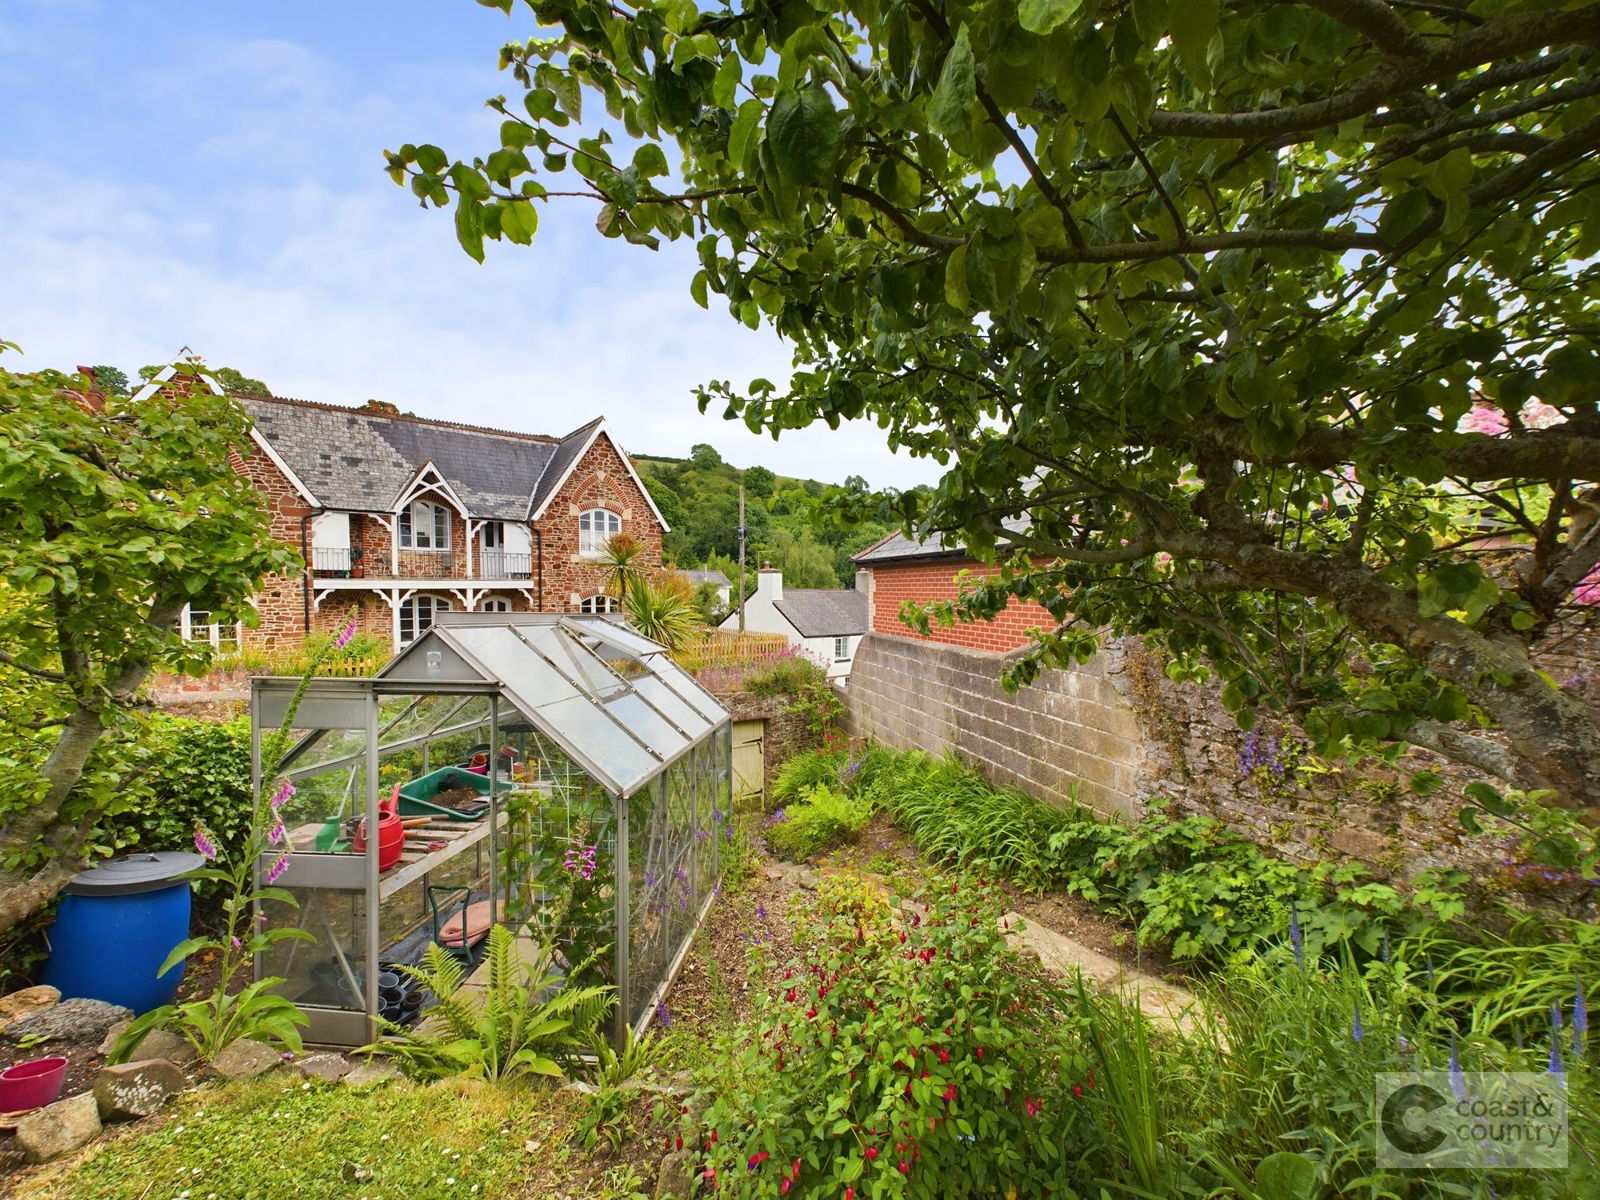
[
  {"x": 343, "y": 640},
  {"x": 285, "y": 790},
  {"x": 1458, "y": 1081},
  {"x": 716, "y": 815},
  {"x": 275, "y": 872},
  {"x": 700, "y": 835},
  {"x": 681, "y": 875},
  {"x": 1295, "y": 938},
  {"x": 663, "y": 1015},
  {"x": 649, "y": 880},
  {"x": 761, "y": 912},
  {"x": 203, "y": 843},
  {"x": 1357, "y": 1032},
  {"x": 778, "y": 817},
  {"x": 1580, "y": 1010},
  {"x": 1556, "y": 1065},
  {"x": 279, "y": 834}
]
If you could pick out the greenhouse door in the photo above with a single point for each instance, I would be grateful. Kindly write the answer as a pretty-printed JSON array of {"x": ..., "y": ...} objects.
[{"x": 749, "y": 763}]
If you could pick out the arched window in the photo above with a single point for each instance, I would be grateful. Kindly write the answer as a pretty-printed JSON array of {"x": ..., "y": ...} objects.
[
  {"x": 424, "y": 525},
  {"x": 417, "y": 614},
  {"x": 599, "y": 604},
  {"x": 595, "y": 528},
  {"x": 495, "y": 604}
]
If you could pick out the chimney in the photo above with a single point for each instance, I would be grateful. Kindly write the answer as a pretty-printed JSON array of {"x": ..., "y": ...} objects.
[
  {"x": 769, "y": 583},
  {"x": 92, "y": 397},
  {"x": 864, "y": 583}
]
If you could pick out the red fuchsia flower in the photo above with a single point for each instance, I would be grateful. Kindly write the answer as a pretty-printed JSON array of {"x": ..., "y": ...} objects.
[
  {"x": 1033, "y": 1107},
  {"x": 905, "y": 1167},
  {"x": 1077, "y": 1089},
  {"x": 783, "y": 1187},
  {"x": 849, "y": 1193},
  {"x": 756, "y": 1160},
  {"x": 871, "y": 1152},
  {"x": 950, "y": 1092},
  {"x": 944, "y": 1055},
  {"x": 810, "y": 1013}
]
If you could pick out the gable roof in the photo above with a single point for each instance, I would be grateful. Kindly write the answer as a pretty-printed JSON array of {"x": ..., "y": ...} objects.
[
  {"x": 898, "y": 546},
  {"x": 365, "y": 461},
  {"x": 824, "y": 612},
  {"x": 568, "y": 454}
]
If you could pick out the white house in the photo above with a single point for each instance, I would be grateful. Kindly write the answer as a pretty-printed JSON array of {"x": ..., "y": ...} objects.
[
  {"x": 827, "y": 623},
  {"x": 715, "y": 578}
]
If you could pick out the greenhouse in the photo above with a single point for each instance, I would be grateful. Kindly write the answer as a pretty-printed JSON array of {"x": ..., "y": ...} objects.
[{"x": 525, "y": 769}]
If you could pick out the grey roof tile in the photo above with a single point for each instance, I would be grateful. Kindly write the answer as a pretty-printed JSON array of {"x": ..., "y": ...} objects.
[
  {"x": 565, "y": 454},
  {"x": 361, "y": 460},
  {"x": 824, "y": 612}
]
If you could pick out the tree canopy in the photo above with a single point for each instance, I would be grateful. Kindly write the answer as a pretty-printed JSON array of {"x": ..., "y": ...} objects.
[
  {"x": 110, "y": 522},
  {"x": 1263, "y": 329}
]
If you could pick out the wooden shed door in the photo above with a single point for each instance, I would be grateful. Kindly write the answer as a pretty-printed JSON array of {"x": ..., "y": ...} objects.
[{"x": 749, "y": 763}]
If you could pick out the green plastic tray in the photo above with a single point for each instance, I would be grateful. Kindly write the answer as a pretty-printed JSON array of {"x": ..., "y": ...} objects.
[{"x": 416, "y": 797}]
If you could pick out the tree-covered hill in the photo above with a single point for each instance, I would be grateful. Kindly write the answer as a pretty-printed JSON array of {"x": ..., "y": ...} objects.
[{"x": 699, "y": 496}]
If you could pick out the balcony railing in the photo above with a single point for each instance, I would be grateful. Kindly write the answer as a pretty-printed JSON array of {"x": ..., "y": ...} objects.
[
  {"x": 337, "y": 561},
  {"x": 342, "y": 562},
  {"x": 499, "y": 564}
]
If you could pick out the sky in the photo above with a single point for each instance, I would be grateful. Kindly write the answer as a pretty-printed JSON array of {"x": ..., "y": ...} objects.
[{"x": 208, "y": 174}]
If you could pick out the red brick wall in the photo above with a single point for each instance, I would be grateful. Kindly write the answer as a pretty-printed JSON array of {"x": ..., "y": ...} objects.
[
  {"x": 600, "y": 480},
  {"x": 893, "y": 585},
  {"x": 281, "y": 601}
]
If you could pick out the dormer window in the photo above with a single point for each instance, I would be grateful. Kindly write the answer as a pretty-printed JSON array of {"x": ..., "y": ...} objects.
[
  {"x": 595, "y": 528},
  {"x": 424, "y": 526}
]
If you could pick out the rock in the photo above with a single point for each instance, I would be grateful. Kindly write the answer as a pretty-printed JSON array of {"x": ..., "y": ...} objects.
[
  {"x": 243, "y": 1058},
  {"x": 158, "y": 1043},
  {"x": 76, "y": 1020},
  {"x": 326, "y": 1066},
  {"x": 25, "y": 1003},
  {"x": 674, "y": 1178},
  {"x": 370, "y": 1074},
  {"x": 581, "y": 1087},
  {"x": 63, "y": 1126},
  {"x": 136, "y": 1089}
]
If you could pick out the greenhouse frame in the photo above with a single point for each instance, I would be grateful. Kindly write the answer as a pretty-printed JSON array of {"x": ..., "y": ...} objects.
[{"x": 539, "y": 770}]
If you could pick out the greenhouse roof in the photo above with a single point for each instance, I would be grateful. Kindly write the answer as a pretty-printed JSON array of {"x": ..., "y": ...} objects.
[{"x": 609, "y": 697}]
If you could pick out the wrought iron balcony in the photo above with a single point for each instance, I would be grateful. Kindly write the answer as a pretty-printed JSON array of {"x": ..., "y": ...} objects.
[{"x": 498, "y": 564}]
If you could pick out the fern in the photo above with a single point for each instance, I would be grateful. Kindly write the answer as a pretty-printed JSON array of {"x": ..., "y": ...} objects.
[{"x": 527, "y": 1018}]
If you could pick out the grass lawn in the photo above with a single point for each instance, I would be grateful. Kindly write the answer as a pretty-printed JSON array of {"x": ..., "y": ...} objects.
[{"x": 284, "y": 1137}]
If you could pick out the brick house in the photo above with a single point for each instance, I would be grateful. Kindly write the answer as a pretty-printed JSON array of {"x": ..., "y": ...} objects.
[
  {"x": 401, "y": 518},
  {"x": 897, "y": 569}
]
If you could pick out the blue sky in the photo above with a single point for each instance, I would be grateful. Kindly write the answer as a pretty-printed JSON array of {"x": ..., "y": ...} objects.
[{"x": 208, "y": 174}]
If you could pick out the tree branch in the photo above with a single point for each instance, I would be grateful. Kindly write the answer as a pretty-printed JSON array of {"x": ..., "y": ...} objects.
[
  {"x": 37, "y": 673},
  {"x": 1375, "y": 21},
  {"x": 1394, "y": 76}
]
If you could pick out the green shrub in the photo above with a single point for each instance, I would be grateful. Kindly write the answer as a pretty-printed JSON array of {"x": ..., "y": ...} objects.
[
  {"x": 180, "y": 771},
  {"x": 919, "y": 1059},
  {"x": 811, "y": 769},
  {"x": 789, "y": 673},
  {"x": 824, "y": 818}
]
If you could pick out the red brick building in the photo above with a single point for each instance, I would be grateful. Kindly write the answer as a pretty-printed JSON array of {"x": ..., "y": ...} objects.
[
  {"x": 400, "y": 518},
  {"x": 898, "y": 569}
]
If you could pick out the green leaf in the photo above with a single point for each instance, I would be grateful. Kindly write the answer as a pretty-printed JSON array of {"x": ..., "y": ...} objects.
[
  {"x": 469, "y": 228},
  {"x": 1192, "y": 24},
  {"x": 956, "y": 95},
  {"x": 1042, "y": 16},
  {"x": 803, "y": 134},
  {"x": 1286, "y": 1176},
  {"x": 741, "y": 137}
]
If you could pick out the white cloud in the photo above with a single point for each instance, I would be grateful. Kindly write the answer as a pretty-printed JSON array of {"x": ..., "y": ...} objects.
[{"x": 260, "y": 230}]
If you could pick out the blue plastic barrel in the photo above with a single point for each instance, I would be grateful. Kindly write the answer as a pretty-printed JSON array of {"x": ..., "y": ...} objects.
[{"x": 115, "y": 927}]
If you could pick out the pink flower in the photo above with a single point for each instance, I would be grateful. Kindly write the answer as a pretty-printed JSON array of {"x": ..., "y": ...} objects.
[
  {"x": 1487, "y": 419},
  {"x": 343, "y": 640},
  {"x": 279, "y": 834},
  {"x": 1536, "y": 414},
  {"x": 203, "y": 843},
  {"x": 275, "y": 872},
  {"x": 285, "y": 790}
]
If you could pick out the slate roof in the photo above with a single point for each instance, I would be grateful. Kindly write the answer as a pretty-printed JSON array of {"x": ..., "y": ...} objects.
[
  {"x": 898, "y": 546},
  {"x": 824, "y": 612},
  {"x": 353, "y": 459},
  {"x": 699, "y": 577},
  {"x": 567, "y": 452}
]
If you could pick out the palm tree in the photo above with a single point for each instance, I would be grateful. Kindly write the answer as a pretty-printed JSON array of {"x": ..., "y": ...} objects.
[
  {"x": 663, "y": 614},
  {"x": 619, "y": 559}
]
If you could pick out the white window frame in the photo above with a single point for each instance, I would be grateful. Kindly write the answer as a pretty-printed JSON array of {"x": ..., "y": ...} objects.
[
  {"x": 409, "y": 612},
  {"x": 423, "y": 525},
  {"x": 497, "y": 604},
  {"x": 206, "y": 630},
  {"x": 596, "y": 527},
  {"x": 841, "y": 649},
  {"x": 600, "y": 603}
]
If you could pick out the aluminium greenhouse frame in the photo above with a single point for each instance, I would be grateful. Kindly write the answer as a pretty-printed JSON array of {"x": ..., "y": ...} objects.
[{"x": 612, "y": 702}]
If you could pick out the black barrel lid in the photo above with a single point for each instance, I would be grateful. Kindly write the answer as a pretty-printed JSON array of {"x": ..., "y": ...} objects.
[{"x": 133, "y": 873}]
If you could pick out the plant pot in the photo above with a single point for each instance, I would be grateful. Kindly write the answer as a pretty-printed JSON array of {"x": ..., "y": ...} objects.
[{"x": 32, "y": 1084}]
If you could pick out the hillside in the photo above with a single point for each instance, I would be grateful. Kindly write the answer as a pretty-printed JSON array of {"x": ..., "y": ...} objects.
[{"x": 699, "y": 496}]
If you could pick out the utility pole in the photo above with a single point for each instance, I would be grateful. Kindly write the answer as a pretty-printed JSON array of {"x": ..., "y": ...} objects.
[{"x": 741, "y": 531}]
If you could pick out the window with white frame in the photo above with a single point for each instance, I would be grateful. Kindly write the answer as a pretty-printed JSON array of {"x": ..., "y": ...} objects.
[
  {"x": 196, "y": 625},
  {"x": 595, "y": 528},
  {"x": 424, "y": 525},
  {"x": 495, "y": 604},
  {"x": 599, "y": 604},
  {"x": 841, "y": 649},
  {"x": 417, "y": 615}
]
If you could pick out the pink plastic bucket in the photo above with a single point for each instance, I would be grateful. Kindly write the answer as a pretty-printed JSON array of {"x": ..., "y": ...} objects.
[{"x": 32, "y": 1084}]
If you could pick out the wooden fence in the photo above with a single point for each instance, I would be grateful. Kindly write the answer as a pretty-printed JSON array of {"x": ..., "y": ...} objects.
[{"x": 720, "y": 650}]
